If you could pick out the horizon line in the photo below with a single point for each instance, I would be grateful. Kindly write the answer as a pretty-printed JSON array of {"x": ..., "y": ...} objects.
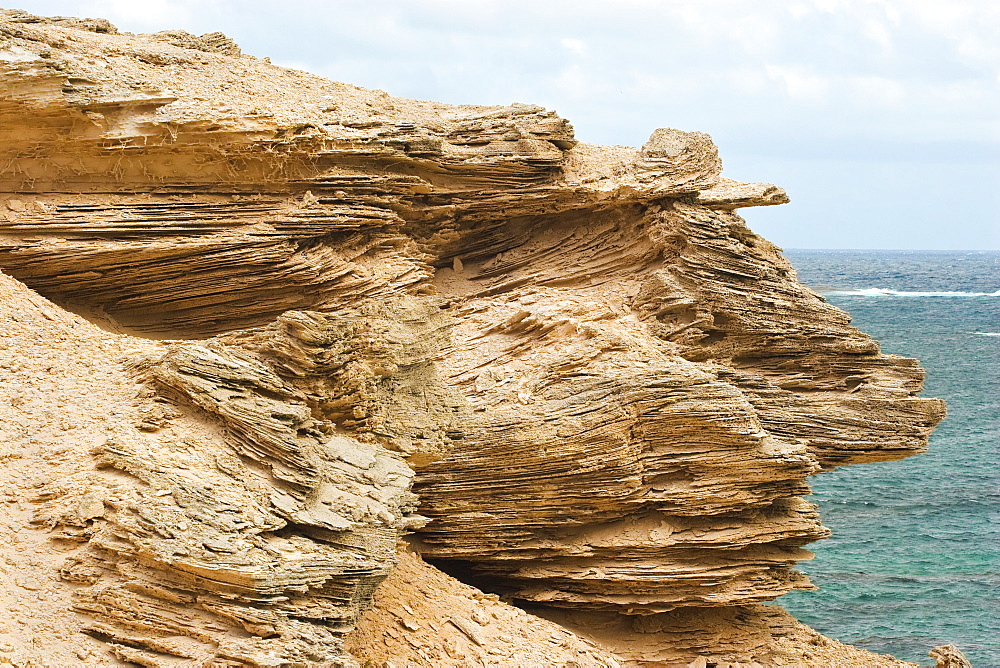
[{"x": 910, "y": 250}]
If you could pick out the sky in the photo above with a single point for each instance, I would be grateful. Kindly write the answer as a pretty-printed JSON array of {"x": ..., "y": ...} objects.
[{"x": 881, "y": 118}]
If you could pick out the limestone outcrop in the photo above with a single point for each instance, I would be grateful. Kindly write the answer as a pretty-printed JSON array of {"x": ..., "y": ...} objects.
[{"x": 331, "y": 319}]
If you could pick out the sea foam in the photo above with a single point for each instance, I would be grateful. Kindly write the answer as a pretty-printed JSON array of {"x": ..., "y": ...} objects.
[{"x": 885, "y": 292}]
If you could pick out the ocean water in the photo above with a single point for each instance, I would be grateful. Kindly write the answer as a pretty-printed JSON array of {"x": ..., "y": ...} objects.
[{"x": 914, "y": 560}]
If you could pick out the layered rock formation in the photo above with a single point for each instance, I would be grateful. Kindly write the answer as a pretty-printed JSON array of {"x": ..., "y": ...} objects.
[{"x": 607, "y": 391}]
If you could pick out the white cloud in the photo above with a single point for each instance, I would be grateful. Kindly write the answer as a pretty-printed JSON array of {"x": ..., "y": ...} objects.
[
  {"x": 873, "y": 91},
  {"x": 144, "y": 15},
  {"x": 575, "y": 46},
  {"x": 830, "y": 6},
  {"x": 750, "y": 80},
  {"x": 879, "y": 33},
  {"x": 149, "y": 15},
  {"x": 971, "y": 25},
  {"x": 801, "y": 84}
]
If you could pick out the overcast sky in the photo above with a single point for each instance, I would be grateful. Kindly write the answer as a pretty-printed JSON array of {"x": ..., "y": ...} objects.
[{"x": 880, "y": 117}]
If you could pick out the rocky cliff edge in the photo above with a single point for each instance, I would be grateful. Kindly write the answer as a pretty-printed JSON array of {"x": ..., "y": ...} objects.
[{"x": 262, "y": 331}]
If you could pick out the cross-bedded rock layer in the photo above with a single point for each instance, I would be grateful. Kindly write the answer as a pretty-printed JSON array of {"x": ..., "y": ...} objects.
[{"x": 611, "y": 391}]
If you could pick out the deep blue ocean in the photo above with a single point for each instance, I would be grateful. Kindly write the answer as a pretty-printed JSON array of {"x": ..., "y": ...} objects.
[{"x": 914, "y": 560}]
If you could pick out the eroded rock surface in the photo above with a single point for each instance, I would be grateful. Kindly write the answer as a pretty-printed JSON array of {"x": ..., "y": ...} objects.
[
  {"x": 173, "y": 534},
  {"x": 607, "y": 392}
]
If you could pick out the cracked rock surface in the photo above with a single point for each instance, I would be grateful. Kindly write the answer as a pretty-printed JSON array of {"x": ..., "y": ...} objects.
[{"x": 266, "y": 336}]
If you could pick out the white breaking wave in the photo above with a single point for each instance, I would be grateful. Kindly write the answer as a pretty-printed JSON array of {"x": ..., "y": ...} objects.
[
  {"x": 884, "y": 292},
  {"x": 987, "y": 333}
]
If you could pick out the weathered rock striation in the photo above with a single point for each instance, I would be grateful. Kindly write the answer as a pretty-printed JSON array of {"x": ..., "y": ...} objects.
[{"x": 334, "y": 318}]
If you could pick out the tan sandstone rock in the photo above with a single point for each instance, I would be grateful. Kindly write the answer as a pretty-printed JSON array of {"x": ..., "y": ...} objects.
[{"x": 322, "y": 318}]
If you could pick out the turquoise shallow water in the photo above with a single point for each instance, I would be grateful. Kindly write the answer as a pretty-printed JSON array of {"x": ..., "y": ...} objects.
[{"x": 914, "y": 560}]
